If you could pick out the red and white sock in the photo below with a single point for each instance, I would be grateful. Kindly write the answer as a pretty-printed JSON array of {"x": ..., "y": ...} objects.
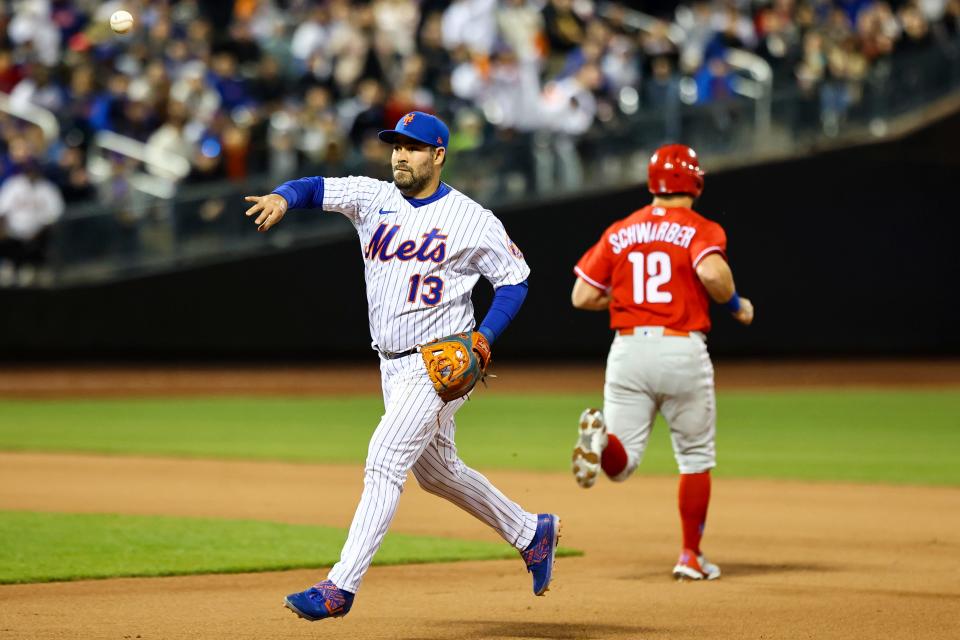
[{"x": 614, "y": 458}]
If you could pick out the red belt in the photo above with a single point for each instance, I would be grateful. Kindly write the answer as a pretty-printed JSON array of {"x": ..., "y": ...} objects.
[{"x": 667, "y": 331}]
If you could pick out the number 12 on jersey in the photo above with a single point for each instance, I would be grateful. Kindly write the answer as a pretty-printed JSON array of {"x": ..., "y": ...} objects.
[
  {"x": 650, "y": 272},
  {"x": 430, "y": 290}
]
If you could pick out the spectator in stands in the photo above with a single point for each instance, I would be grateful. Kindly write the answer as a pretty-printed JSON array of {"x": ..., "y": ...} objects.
[
  {"x": 916, "y": 31},
  {"x": 714, "y": 81},
  {"x": 657, "y": 41},
  {"x": 565, "y": 29},
  {"x": 32, "y": 30},
  {"x": 780, "y": 39},
  {"x": 951, "y": 18},
  {"x": 662, "y": 95},
  {"x": 621, "y": 64},
  {"x": 521, "y": 26},
  {"x": 200, "y": 34},
  {"x": 21, "y": 150},
  {"x": 364, "y": 113},
  {"x": 947, "y": 32},
  {"x": 225, "y": 78},
  {"x": 172, "y": 135},
  {"x": 39, "y": 88},
  {"x": 29, "y": 205},
  {"x": 321, "y": 139},
  {"x": 813, "y": 63},
  {"x": 270, "y": 84},
  {"x": 730, "y": 29},
  {"x": 354, "y": 57},
  {"x": 396, "y": 23},
  {"x": 877, "y": 29},
  {"x": 842, "y": 84},
  {"x": 71, "y": 176},
  {"x": 106, "y": 110},
  {"x": 240, "y": 44},
  {"x": 138, "y": 120},
  {"x": 590, "y": 51},
  {"x": 437, "y": 60},
  {"x": 410, "y": 92},
  {"x": 696, "y": 22},
  {"x": 471, "y": 24},
  {"x": 311, "y": 36},
  {"x": 192, "y": 90},
  {"x": 568, "y": 108},
  {"x": 81, "y": 98}
]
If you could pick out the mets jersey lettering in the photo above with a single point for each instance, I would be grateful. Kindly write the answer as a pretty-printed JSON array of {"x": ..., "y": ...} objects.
[
  {"x": 648, "y": 261},
  {"x": 422, "y": 258},
  {"x": 408, "y": 249}
]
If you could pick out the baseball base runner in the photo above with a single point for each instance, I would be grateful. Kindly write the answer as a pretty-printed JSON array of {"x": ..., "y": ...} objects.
[
  {"x": 654, "y": 271},
  {"x": 425, "y": 245}
]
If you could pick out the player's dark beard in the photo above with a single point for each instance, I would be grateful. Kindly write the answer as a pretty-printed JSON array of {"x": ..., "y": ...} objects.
[{"x": 407, "y": 180}]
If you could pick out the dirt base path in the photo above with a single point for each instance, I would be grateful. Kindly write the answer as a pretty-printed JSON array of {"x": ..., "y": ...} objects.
[{"x": 799, "y": 560}]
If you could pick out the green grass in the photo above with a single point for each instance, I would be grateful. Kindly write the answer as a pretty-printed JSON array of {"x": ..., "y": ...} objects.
[
  {"x": 45, "y": 547},
  {"x": 874, "y": 436}
]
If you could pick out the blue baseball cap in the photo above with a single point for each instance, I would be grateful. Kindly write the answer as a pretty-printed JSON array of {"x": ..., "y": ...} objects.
[{"x": 420, "y": 126}]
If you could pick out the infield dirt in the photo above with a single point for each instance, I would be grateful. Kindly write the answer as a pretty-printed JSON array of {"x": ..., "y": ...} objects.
[{"x": 800, "y": 560}]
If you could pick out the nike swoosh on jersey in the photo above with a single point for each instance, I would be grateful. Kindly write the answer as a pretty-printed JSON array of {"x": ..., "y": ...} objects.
[{"x": 383, "y": 212}]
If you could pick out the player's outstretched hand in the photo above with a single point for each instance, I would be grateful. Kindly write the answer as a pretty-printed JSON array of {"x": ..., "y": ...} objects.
[
  {"x": 269, "y": 209},
  {"x": 745, "y": 314}
]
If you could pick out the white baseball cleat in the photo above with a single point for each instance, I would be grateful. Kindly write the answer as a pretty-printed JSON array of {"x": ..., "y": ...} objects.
[
  {"x": 591, "y": 442},
  {"x": 691, "y": 566}
]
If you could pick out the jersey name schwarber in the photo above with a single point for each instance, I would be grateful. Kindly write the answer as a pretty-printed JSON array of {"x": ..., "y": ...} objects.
[{"x": 642, "y": 232}]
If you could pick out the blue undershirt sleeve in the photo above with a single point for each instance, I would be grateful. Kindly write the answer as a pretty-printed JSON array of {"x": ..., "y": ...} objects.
[
  {"x": 305, "y": 193},
  {"x": 506, "y": 303}
]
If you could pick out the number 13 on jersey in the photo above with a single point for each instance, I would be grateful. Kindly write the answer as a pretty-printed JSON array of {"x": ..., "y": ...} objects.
[
  {"x": 650, "y": 272},
  {"x": 428, "y": 289}
]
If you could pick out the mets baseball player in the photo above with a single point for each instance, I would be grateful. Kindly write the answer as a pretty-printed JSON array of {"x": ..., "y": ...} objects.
[
  {"x": 655, "y": 271},
  {"x": 424, "y": 246}
]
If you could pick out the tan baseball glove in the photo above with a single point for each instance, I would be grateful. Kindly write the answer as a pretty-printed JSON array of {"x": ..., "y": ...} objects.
[{"x": 456, "y": 363}]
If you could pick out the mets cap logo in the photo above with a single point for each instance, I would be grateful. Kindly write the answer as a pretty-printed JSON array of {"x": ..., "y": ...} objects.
[{"x": 407, "y": 119}]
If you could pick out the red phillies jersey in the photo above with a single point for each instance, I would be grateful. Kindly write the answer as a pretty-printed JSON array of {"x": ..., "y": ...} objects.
[{"x": 647, "y": 262}]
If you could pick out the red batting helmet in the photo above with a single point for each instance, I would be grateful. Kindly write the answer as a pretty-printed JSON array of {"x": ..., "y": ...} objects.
[{"x": 674, "y": 168}]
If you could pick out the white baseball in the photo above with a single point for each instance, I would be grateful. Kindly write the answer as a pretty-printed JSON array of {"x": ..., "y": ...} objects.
[{"x": 121, "y": 21}]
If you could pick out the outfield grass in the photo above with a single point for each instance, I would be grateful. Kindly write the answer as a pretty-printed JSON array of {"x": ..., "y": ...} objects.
[
  {"x": 45, "y": 547},
  {"x": 876, "y": 436}
]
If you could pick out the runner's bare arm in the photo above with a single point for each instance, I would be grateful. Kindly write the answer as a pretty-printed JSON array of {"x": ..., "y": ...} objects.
[
  {"x": 717, "y": 278},
  {"x": 588, "y": 297}
]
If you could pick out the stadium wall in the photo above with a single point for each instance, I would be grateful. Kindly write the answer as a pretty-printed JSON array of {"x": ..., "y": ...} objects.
[{"x": 844, "y": 252}]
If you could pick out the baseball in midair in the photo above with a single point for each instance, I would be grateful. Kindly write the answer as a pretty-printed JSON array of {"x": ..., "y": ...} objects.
[{"x": 121, "y": 21}]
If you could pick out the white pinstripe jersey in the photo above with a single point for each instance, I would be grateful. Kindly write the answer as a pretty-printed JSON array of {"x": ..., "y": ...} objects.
[{"x": 421, "y": 263}]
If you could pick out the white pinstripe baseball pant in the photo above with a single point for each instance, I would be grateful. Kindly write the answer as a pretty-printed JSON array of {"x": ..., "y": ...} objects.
[{"x": 416, "y": 433}]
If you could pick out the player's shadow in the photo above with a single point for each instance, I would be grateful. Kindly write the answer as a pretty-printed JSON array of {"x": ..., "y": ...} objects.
[
  {"x": 735, "y": 569},
  {"x": 740, "y": 569},
  {"x": 480, "y": 630}
]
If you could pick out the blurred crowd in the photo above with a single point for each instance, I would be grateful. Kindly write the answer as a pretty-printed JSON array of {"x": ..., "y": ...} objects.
[{"x": 278, "y": 87}]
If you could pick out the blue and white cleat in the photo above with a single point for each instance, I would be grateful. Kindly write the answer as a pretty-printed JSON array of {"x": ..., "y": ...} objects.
[
  {"x": 322, "y": 600},
  {"x": 541, "y": 552}
]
